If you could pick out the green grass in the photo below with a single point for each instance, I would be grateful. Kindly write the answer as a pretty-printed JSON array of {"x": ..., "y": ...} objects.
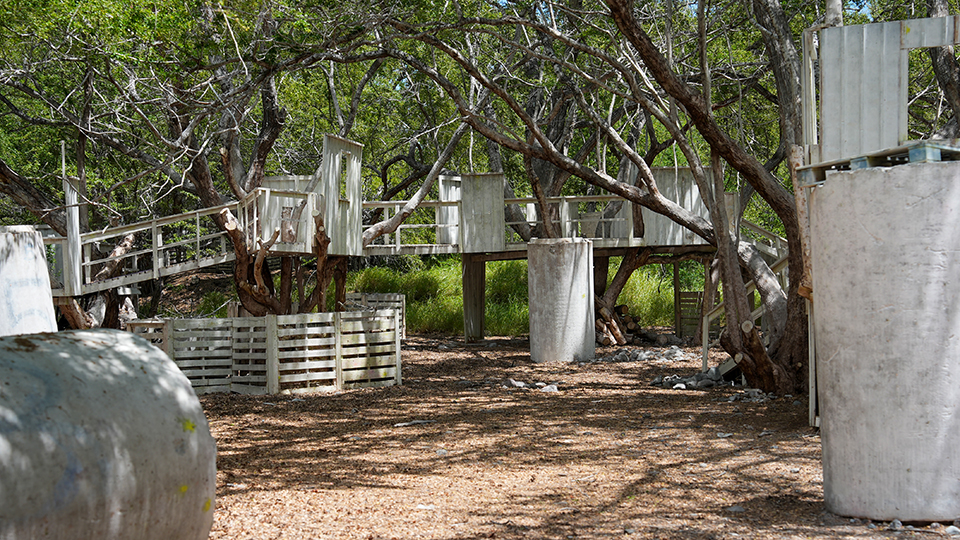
[{"x": 435, "y": 295}]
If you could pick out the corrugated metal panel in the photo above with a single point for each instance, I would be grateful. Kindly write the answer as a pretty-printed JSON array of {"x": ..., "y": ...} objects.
[
  {"x": 864, "y": 72},
  {"x": 482, "y": 221},
  {"x": 863, "y": 77}
]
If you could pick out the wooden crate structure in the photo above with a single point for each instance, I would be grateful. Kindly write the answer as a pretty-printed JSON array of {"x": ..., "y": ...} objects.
[
  {"x": 283, "y": 354},
  {"x": 375, "y": 301}
]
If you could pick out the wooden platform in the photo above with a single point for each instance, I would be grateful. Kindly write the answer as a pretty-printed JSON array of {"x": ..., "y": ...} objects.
[{"x": 926, "y": 151}]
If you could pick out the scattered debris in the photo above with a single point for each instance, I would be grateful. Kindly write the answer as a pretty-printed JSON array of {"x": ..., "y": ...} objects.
[{"x": 414, "y": 423}]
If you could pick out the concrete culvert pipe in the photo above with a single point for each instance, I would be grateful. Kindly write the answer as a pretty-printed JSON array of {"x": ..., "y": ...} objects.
[
  {"x": 886, "y": 261},
  {"x": 101, "y": 438}
]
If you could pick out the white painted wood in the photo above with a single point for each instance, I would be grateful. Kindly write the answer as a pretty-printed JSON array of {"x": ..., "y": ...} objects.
[
  {"x": 273, "y": 363},
  {"x": 71, "y": 267},
  {"x": 342, "y": 215},
  {"x": 864, "y": 71},
  {"x": 482, "y": 220},
  {"x": 448, "y": 217},
  {"x": 400, "y": 325},
  {"x": 339, "y": 351}
]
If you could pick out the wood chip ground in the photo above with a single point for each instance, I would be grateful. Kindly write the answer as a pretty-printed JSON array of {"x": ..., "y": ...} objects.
[{"x": 608, "y": 456}]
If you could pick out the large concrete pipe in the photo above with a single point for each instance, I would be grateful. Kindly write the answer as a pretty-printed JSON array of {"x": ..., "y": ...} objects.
[
  {"x": 560, "y": 283},
  {"x": 886, "y": 261},
  {"x": 26, "y": 302},
  {"x": 101, "y": 438}
]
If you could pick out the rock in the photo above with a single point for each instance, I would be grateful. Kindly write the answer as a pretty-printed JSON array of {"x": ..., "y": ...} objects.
[
  {"x": 441, "y": 452},
  {"x": 550, "y": 388},
  {"x": 658, "y": 381},
  {"x": 516, "y": 384},
  {"x": 425, "y": 507},
  {"x": 871, "y": 525},
  {"x": 724, "y": 435},
  {"x": 797, "y": 403},
  {"x": 952, "y": 530},
  {"x": 541, "y": 384},
  {"x": 895, "y": 525},
  {"x": 735, "y": 509},
  {"x": 706, "y": 383},
  {"x": 680, "y": 386}
]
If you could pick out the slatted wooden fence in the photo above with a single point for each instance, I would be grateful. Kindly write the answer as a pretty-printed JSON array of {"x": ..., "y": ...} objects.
[
  {"x": 282, "y": 354},
  {"x": 368, "y": 301}
]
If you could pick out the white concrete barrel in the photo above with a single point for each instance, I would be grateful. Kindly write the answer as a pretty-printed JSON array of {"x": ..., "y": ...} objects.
[
  {"x": 560, "y": 286},
  {"x": 26, "y": 301},
  {"x": 101, "y": 438},
  {"x": 886, "y": 283}
]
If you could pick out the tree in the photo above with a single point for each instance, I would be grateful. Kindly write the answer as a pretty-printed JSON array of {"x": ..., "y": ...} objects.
[
  {"x": 186, "y": 104},
  {"x": 593, "y": 74}
]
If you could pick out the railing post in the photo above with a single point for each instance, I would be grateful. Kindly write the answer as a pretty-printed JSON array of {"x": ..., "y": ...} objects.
[
  {"x": 155, "y": 241},
  {"x": 167, "y": 337},
  {"x": 196, "y": 222},
  {"x": 395, "y": 212},
  {"x": 71, "y": 251},
  {"x": 338, "y": 347},
  {"x": 396, "y": 326},
  {"x": 273, "y": 355}
]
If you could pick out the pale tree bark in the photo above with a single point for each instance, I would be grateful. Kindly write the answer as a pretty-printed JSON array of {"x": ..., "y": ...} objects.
[
  {"x": 945, "y": 65},
  {"x": 789, "y": 358}
]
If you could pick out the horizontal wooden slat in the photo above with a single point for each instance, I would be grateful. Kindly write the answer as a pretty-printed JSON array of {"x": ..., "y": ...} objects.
[
  {"x": 207, "y": 373},
  {"x": 200, "y": 354},
  {"x": 369, "y": 325},
  {"x": 307, "y": 377},
  {"x": 355, "y": 350},
  {"x": 318, "y": 354},
  {"x": 205, "y": 362},
  {"x": 367, "y": 362},
  {"x": 283, "y": 333},
  {"x": 365, "y": 339},
  {"x": 308, "y": 342},
  {"x": 368, "y": 374},
  {"x": 320, "y": 364}
]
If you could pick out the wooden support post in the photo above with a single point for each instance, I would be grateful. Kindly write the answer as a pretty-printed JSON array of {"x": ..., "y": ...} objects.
[
  {"x": 72, "y": 270},
  {"x": 397, "y": 322},
  {"x": 167, "y": 338},
  {"x": 338, "y": 347},
  {"x": 474, "y": 301},
  {"x": 676, "y": 300},
  {"x": 273, "y": 355},
  {"x": 601, "y": 270}
]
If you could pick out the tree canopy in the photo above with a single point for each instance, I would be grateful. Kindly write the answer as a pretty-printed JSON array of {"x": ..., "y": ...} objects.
[{"x": 168, "y": 106}]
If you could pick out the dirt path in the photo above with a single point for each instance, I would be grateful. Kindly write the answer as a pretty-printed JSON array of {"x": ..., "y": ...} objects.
[{"x": 454, "y": 454}]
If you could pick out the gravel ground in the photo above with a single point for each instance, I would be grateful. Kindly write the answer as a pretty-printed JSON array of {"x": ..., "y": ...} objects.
[{"x": 459, "y": 452}]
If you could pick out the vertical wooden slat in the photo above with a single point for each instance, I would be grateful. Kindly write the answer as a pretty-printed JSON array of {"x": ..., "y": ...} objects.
[
  {"x": 676, "y": 300},
  {"x": 168, "y": 338},
  {"x": 155, "y": 240},
  {"x": 396, "y": 343},
  {"x": 338, "y": 346},
  {"x": 273, "y": 360}
]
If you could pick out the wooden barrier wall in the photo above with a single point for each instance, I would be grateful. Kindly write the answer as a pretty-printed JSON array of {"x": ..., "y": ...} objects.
[{"x": 282, "y": 353}]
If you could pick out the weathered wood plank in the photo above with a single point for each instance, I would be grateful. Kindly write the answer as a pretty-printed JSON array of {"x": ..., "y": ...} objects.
[
  {"x": 369, "y": 374},
  {"x": 315, "y": 364},
  {"x": 309, "y": 377}
]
